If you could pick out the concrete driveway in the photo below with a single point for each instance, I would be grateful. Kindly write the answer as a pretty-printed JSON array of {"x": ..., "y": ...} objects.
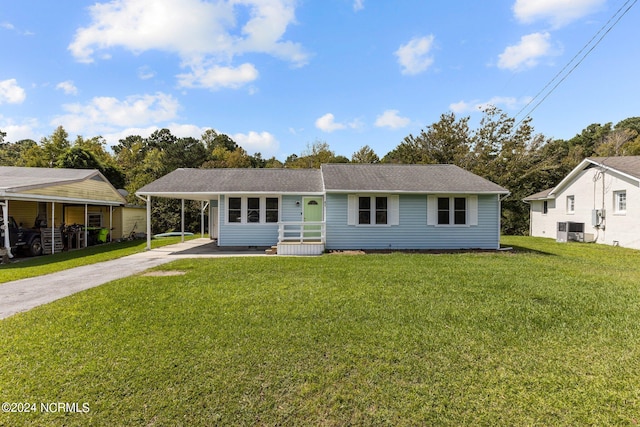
[{"x": 25, "y": 294}]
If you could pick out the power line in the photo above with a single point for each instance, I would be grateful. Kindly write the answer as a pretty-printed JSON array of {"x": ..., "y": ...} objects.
[{"x": 610, "y": 27}]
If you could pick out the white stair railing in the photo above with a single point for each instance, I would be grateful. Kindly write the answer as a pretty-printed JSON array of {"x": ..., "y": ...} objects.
[{"x": 301, "y": 232}]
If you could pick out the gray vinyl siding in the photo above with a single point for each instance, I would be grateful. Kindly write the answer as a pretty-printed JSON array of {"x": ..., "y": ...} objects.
[{"x": 413, "y": 231}]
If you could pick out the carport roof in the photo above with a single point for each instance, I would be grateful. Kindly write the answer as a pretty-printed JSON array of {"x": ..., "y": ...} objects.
[
  {"x": 58, "y": 185},
  {"x": 195, "y": 183},
  {"x": 15, "y": 179}
]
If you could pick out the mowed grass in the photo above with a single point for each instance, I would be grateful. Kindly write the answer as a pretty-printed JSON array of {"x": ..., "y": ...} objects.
[{"x": 546, "y": 335}]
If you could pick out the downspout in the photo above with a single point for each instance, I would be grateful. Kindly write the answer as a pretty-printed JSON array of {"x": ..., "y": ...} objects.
[{"x": 5, "y": 222}]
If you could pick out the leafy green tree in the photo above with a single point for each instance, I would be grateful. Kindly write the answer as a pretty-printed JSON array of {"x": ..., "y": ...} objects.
[
  {"x": 632, "y": 123},
  {"x": 211, "y": 139},
  {"x": 444, "y": 142},
  {"x": 273, "y": 163},
  {"x": 314, "y": 156},
  {"x": 55, "y": 146},
  {"x": 365, "y": 155},
  {"x": 16, "y": 154},
  {"x": 78, "y": 158},
  {"x": 221, "y": 157}
]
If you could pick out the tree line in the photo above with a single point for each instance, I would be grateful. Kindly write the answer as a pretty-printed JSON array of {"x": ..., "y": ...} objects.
[{"x": 499, "y": 149}]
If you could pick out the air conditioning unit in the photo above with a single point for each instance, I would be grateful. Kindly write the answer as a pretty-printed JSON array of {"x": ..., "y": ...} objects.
[{"x": 570, "y": 232}]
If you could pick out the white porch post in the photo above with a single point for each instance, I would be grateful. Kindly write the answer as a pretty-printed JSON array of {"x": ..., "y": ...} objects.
[
  {"x": 5, "y": 221},
  {"x": 53, "y": 227},
  {"x": 110, "y": 222},
  {"x": 148, "y": 223},
  {"x": 203, "y": 206},
  {"x": 182, "y": 221},
  {"x": 210, "y": 224},
  {"x": 86, "y": 224}
]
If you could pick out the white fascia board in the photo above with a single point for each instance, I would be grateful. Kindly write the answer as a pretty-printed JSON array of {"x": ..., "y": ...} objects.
[
  {"x": 570, "y": 177},
  {"x": 414, "y": 192},
  {"x": 214, "y": 196},
  {"x": 39, "y": 198},
  {"x": 576, "y": 171}
]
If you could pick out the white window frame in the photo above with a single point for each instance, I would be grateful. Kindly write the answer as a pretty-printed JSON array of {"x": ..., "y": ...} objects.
[
  {"x": 95, "y": 214},
  {"x": 373, "y": 211},
  {"x": 545, "y": 207},
  {"x": 571, "y": 204},
  {"x": 393, "y": 209},
  {"x": 620, "y": 197},
  {"x": 471, "y": 210},
  {"x": 244, "y": 209}
]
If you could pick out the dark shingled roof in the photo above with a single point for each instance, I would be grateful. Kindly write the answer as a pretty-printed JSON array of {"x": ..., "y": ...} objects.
[
  {"x": 237, "y": 181},
  {"x": 629, "y": 165},
  {"x": 405, "y": 178}
]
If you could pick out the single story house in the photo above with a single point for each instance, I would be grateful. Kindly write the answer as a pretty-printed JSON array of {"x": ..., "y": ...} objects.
[
  {"x": 46, "y": 198},
  {"x": 341, "y": 206},
  {"x": 598, "y": 201}
]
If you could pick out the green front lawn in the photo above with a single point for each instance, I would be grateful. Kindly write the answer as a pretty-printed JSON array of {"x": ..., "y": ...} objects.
[{"x": 548, "y": 335}]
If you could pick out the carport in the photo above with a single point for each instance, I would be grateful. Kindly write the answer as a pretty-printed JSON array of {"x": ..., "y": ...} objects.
[
  {"x": 47, "y": 195},
  {"x": 208, "y": 203}
]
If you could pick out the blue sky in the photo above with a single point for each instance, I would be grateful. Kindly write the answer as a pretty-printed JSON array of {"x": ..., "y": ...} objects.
[{"x": 278, "y": 75}]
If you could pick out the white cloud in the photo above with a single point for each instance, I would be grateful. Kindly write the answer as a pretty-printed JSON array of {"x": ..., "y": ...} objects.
[
  {"x": 145, "y": 73},
  {"x": 414, "y": 56},
  {"x": 504, "y": 102},
  {"x": 19, "y": 131},
  {"x": 11, "y": 93},
  {"x": 391, "y": 119},
  {"x": 7, "y": 25},
  {"x": 67, "y": 87},
  {"x": 204, "y": 35},
  {"x": 327, "y": 123},
  {"x": 254, "y": 142},
  {"x": 527, "y": 53},
  {"x": 105, "y": 114},
  {"x": 358, "y": 5},
  {"x": 217, "y": 77},
  {"x": 556, "y": 12}
]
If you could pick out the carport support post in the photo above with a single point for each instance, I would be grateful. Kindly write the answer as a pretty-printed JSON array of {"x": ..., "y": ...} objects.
[
  {"x": 182, "y": 221},
  {"x": 53, "y": 227},
  {"x": 148, "y": 248},
  {"x": 202, "y": 219},
  {"x": 110, "y": 222},
  {"x": 5, "y": 221},
  {"x": 86, "y": 224}
]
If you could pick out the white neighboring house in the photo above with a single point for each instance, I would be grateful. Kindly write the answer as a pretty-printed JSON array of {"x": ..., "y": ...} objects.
[{"x": 599, "y": 201}]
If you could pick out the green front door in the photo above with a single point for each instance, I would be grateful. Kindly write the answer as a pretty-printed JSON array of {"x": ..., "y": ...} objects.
[{"x": 312, "y": 212}]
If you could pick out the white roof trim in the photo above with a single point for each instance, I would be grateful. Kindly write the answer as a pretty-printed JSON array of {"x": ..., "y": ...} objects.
[
  {"x": 55, "y": 199},
  {"x": 582, "y": 166}
]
